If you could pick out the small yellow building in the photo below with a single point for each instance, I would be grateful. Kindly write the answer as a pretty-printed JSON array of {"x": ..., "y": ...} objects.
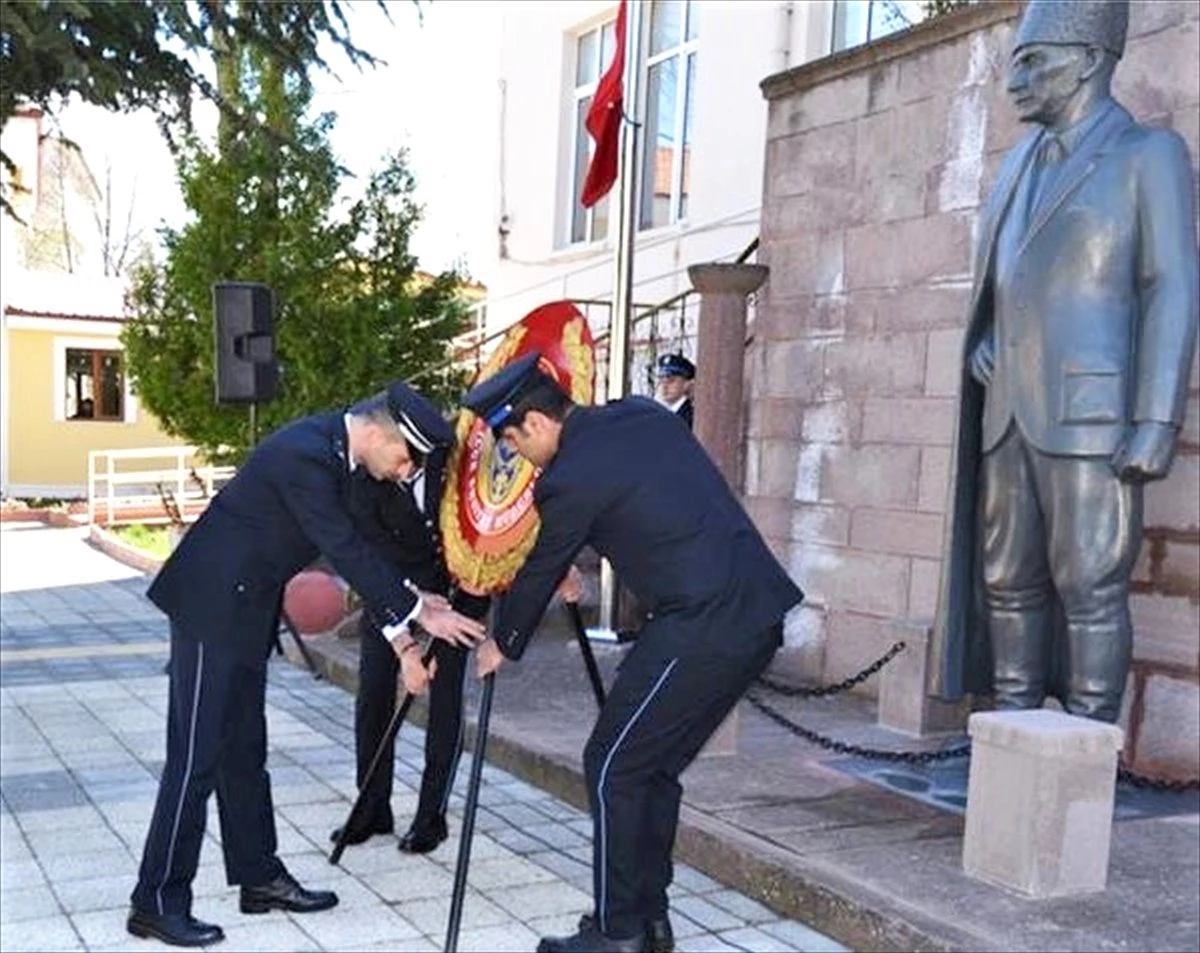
[{"x": 64, "y": 389}]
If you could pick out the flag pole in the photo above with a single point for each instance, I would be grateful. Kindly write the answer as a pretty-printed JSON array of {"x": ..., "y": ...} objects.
[{"x": 621, "y": 318}]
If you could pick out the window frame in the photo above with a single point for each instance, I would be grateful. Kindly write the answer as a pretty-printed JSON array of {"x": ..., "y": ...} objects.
[
  {"x": 107, "y": 345},
  {"x": 684, "y": 50},
  {"x": 579, "y": 93}
]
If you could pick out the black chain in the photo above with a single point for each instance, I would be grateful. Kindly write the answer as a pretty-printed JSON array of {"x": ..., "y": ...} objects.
[
  {"x": 1156, "y": 784},
  {"x": 844, "y": 747},
  {"x": 1124, "y": 774},
  {"x": 790, "y": 691}
]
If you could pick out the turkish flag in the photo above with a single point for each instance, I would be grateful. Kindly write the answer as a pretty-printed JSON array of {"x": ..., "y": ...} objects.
[{"x": 603, "y": 122}]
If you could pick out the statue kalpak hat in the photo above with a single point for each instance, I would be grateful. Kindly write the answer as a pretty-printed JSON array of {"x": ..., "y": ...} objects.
[{"x": 1102, "y": 23}]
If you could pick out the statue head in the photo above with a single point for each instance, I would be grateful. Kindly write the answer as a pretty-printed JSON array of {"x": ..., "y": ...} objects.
[{"x": 1064, "y": 53}]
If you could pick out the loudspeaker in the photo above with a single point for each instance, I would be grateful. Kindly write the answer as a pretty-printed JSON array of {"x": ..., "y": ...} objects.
[{"x": 244, "y": 368}]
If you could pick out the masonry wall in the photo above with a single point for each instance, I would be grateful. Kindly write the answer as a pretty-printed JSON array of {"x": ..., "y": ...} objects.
[{"x": 877, "y": 163}]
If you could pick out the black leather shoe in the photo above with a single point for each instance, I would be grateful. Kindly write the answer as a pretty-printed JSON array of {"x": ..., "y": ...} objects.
[
  {"x": 424, "y": 835},
  {"x": 359, "y": 834},
  {"x": 285, "y": 893},
  {"x": 660, "y": 938},
  {"x": 592, "y": 941},
  {"x": 177, "y": 929}
]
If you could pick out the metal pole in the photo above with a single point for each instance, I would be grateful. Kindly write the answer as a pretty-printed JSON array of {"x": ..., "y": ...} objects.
[
  {"x": 468, "y": 822},
  {"x": 626, "y": 240}
]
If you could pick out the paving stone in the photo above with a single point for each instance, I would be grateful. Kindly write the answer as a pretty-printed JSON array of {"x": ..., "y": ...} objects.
[
  {"x": 43, "y": 935},
  {"x": 345, "y": 928},
  {"x": 28, "y": 903},
  {"x": 802, "y": 938},
  {"x": 541, "y": 899}
]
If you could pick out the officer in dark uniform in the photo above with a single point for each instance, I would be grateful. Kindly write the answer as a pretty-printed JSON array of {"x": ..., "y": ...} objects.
[
  {"x": 223, "y": 589},
  {"x": 676, "y": 375},
  {"x": 628, "y": 480},
  {"x": 401, "y": 518}
]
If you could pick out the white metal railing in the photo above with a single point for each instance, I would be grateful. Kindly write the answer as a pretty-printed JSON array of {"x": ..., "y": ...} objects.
[{"x": 123, "y": 487}]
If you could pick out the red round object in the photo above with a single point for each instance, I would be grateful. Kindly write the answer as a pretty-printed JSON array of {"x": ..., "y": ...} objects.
[{"x": 314, "y": 602}]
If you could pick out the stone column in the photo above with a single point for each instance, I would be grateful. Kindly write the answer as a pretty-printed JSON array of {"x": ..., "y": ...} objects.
[
  {"x": 717, "y": 394},
  {"x": 1040, "y": 801},
  {"x": 720, "y": 359}
]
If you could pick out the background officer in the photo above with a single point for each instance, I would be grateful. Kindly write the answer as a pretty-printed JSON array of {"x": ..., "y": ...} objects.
[
  {"x": 400, "y": 518},
  {"x": 628, "y": 480},
  {"x": 222, "y": 589},
  {"x": 676, "y": 375}
]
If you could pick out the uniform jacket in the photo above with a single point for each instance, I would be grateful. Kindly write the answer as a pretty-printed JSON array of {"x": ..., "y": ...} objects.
[
  {"x": 686, "y": 411},
  {"x": 388, "y": 516},
  {"x": 631, "y": 481},
  {"x": 288, "y": 503},
  {"x": 1100, "y": 305}
]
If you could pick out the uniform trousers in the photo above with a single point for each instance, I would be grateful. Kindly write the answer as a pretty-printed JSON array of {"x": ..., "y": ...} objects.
[
  {"x": 1058, "y": 532},
  {"x": 216, "y": 739},
  {"x": 378, "y": 669},
  {"x": 658, "y": 714}
]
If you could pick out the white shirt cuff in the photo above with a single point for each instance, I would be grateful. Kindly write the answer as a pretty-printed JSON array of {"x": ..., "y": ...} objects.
[{"x": 393, "y": 632}]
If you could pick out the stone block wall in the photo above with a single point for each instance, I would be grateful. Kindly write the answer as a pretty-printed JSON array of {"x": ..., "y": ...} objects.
[{"x": 877, "y": 163}]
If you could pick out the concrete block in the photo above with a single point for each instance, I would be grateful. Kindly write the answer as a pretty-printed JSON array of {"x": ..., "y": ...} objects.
[
  {"x": 1166, "y": 629},
  {"x": 795, "y": 165},
  {"x": 904, "y": 702},
  {"x": 1168, "y": 739},
  {"x": 812, "y": 263},
  {"x": 855, "y": 641},
  {"x": 915, "y": 307},
  {"x": 926, "y": 421},
  {"x": 879, "y": 365},
  {"x": 872, "y": 475},
  {"x": 1040, "y": 801},
  {"x": 793, "y": 370},
  {"x": 935, "y": 247},
  {"x": 821, "y": 523},
  {"x": 833, "y": 421},
  {"x": 776, "y": 418},
  {"x": 901, "y": 532},
  {"x": 924, "y": 579},
  {"x": 934, "y": 480},
  {"x": 1173, "y": 503},
  {"x": 943, "y": 363},
  {"x": 776, "y": 476},
  {"x": 1150, "y": 16},
  {"x": 1158, "y": 73}
]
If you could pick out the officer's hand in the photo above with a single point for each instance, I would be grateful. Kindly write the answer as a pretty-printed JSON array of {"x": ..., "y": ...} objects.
[
  {"x": 415, "y": 675},
  {"x": 571, "y": 588},
  {"x": 488, "y": 658},
  {"x": 1146, "y": 453},
  {"x": 433, "y": 599},
  {"x": 983, "y": 361},
  {"x": 450, "y": 626}
]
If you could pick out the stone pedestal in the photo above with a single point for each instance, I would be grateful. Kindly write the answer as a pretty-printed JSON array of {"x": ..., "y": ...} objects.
[
  {"x": 720, "y": 360},
  {"x": 904, "y": 702},
  {"x": 1040, "y": 801},
  {"x": 717, "y": 393}
]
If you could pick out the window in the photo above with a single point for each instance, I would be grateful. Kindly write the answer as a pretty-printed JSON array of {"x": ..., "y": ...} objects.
[
  {"x": 670, "y": 89},
  {"x": 860, "y": 21},
  {"x": 95, "y": 385},
  {"x": 593, "y": 53}
]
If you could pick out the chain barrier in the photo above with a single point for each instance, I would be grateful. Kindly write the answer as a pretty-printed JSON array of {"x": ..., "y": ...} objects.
[{"x": 1124, "y": 774}]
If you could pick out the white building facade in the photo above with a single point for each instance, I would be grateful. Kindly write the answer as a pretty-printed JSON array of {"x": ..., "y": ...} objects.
[{"x": 701, "y": 154}]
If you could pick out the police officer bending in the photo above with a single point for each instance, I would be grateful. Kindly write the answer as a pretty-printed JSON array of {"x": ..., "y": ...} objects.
[
  {"x": 222, "y": 589},
  {"x": 628, "y": 480}
]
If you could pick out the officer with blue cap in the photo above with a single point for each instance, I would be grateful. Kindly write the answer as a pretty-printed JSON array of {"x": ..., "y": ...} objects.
[
  {"x": 222, "y": 589},
  {"x": 630, "y": 482},
  {"x": 675, "y": 377}
]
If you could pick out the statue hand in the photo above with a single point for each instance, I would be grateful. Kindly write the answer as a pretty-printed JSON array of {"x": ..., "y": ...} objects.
[
  {"x": 983, "y": 360},
  {"x": 1146, "y": 452}
]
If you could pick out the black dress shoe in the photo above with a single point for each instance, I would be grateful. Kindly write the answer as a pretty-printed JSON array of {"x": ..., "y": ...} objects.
[
  {"x": 285, "y": 893},
  {"x": 359, "y": 834},
  {"x": 660, "y": 938},
  {"x": 177, "y": 929},
  {"x": 424, "y": 835},
  {"x": 593, "y": 941}
]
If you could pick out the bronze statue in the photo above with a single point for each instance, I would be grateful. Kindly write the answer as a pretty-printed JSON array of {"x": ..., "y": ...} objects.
[{"x": 1080, "y": 338}]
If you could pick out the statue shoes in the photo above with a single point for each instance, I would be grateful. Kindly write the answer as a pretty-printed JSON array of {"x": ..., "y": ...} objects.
[
  {"x": 175, "y": 929},
  {"x": 285, "y": 893}
]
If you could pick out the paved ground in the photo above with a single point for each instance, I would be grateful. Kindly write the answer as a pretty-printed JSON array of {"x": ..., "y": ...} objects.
[{"x": 82, "y": 700}]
